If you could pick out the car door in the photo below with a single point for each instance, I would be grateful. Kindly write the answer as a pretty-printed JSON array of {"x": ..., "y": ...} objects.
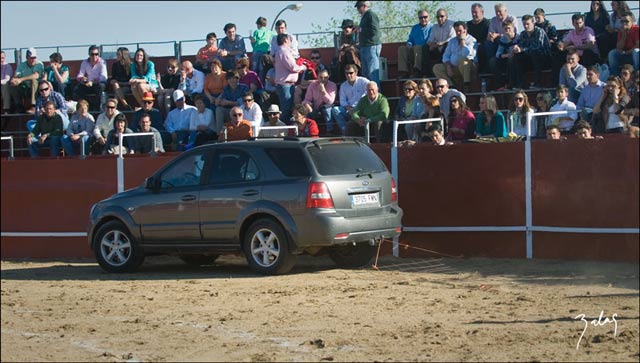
[
  {"x": 233, "y": 184},
  {"x": 172, "y": 214}
]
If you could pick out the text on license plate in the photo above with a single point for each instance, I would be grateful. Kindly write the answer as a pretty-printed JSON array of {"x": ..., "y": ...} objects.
[{"x": 365, "y": 199}]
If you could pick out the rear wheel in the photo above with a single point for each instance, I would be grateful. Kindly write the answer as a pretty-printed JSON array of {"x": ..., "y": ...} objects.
[
  {"x": 266, "y": 248},
  {"x": 199, "y": 260},
  {"x": 351, "y": 256},
  {"x": 115, "y": 249}
]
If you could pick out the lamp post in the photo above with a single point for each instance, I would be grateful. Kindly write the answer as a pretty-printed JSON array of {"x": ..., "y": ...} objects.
[{"x": 294, "y": 7}]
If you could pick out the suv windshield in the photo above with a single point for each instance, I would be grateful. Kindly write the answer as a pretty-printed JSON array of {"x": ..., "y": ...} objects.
[{"x": 340, "y": 158}]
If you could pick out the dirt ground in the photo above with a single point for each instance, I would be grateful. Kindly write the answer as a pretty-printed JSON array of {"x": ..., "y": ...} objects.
[{"x": 408, "y": 310}]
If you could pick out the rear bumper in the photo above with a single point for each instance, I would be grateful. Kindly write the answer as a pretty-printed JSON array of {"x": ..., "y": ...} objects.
[{"x": 328, "y": 228}]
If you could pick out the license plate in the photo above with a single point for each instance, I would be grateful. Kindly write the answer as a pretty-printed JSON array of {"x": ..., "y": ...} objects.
[{"x": 365, "y": 200}]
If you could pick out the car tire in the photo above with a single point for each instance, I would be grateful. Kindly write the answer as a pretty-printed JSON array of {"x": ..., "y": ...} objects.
[
  {"x": 350, "y": 256},
  {"x": 199, "y": 260},
  {"x": 266, "y": 248},
  {"x": 115, "y": 248}
]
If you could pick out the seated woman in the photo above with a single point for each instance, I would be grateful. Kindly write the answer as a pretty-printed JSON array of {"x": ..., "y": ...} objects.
[
  {"x": 166, "y": 85},
  {"x": 346, "y": 51},
  {"x": 200, "y": 124},
  {"x": 112, "y": 146},
  {"x": 608, "y": 111},
  {"x": 597, "y": 19},
  {"x": 404, "y": 111},
  {"x": 143, "y": 76},
  {"x": 80, "y": 130},
  {"x": 490, "y": 121},
  {"x": 520, "y": 109},
  {"x": 426, "y": 105},
  {"x": 544, "y": 101},
  {"x": 120, "y": 76},
  {"x": 306, "y": 126},
  {"x": 214, "y": 84},
  {"x": 461, "y": 120}
]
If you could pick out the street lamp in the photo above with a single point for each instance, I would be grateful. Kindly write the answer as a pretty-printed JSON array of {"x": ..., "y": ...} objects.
[{"x": 294, "y": 7}]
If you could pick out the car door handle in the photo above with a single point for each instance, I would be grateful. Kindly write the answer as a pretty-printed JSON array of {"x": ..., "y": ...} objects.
[
  {"x": 188, "y": 198},
  {"x": 249, "y": 193}
]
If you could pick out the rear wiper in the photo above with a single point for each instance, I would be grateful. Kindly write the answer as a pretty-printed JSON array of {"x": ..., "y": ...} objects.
[{"x": 362, "y": 172}]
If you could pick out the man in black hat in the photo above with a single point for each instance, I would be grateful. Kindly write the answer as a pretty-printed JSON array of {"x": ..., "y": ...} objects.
[{"x": 370, "y": 43}]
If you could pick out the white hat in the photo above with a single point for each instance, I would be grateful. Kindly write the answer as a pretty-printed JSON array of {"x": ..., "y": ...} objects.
[
  {"x": 31, "y": 53},
  {"x": 178, "y": 95},
  {"x": 273, "y": 109}
]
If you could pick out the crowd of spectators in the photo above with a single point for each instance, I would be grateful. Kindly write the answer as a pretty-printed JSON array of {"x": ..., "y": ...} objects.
[{"x": 224, "y": 93}]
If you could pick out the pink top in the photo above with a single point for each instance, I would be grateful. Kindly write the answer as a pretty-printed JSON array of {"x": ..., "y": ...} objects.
[
  {"x": 286, "y": 68},
  {"x": 7, "y": 72},
  {"x": 587, "y": 35},
  {"x": 95, "y": 73},
  {"x": 461, "y": 122},
  {"x": 316, "y": 98}
]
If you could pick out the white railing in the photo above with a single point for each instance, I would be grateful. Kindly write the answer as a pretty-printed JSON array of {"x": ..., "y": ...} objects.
[
  {"x": 120, "y": 162},
  {"x": 10, "y": 138}
]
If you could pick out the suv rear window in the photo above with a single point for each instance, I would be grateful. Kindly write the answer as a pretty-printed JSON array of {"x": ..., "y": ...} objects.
[
  {"x": 344, "y": 158},
  {"x": 290, "y": 161}
]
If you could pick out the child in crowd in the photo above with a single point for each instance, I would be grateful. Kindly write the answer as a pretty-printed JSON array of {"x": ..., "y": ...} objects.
[{"x": 260, "y": 41}]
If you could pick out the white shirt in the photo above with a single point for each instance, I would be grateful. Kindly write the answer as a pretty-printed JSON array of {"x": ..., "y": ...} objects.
[
  {"x": 351, "y": 94},
  {"x": 200, "y": 119},
  {"x": 253, "y": 115},
  {"x": 564, "y": 106}
]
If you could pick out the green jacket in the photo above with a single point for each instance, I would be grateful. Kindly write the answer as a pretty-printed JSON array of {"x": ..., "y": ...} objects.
[{"x": 377, "y": 110}]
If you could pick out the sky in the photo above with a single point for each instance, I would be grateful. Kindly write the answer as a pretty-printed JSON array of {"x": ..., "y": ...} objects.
[{"x": 82, "y": 23}]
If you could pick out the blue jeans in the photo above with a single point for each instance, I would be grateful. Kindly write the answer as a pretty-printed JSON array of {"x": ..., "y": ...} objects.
[
  {"x": 341, "y": 116},
  {"x": 68, "y": 144},
  {"x": 370, "y": 59},
  {"x": 616, "y": 59},
  {"x": 285, "y": 94},
  {"x": 52, "y": 142}
]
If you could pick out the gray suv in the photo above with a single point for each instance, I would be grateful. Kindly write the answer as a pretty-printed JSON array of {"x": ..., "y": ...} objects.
[{"x": 273, "y": 199}]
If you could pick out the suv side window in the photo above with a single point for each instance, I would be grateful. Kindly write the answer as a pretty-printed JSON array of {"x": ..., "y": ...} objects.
[
  {"x": 186, "y": 172},
  {"x": 290, "y": 161},
  {"x": 232, "y": 166}
]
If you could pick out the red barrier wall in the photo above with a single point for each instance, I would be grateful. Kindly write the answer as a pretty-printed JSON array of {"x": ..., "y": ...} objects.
[{"x": 575, "y": 184}]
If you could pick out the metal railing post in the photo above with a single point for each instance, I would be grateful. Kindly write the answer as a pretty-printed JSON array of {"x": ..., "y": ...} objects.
[{"x": 10, "y": 138}]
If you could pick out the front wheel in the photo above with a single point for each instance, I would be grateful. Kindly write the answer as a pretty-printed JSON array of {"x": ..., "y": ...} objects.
[
  {"x": 115, "y": 249},
  {"x": 350, "y": 256},
  {"x": 266, "y": 248}
]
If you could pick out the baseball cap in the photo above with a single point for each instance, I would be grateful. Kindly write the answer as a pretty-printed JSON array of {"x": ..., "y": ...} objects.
[
  {"x": 148, "y": 96},
  {"x": 178, "y": 95},
  {"x": 273, "y": 109},
  {"x": 31, "y": 53}
]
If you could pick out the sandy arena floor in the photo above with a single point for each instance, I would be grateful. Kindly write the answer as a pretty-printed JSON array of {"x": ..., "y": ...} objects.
[{"x": 408, "y": 310}]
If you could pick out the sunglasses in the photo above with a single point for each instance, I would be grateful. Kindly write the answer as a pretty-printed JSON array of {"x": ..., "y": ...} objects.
[
  {"x": 423, "y": 17},
  {"x": 440, "y": 86},
  {"x": 237, "y": 114},
  {"x": 454, "y": 101},
  {"x": 519, "y": 99},
  {"x": 248, "y": 100},
  {"x": 171, "y": 67},
  {"x": 442, "y": 16},
  {"x": 315, "y": 58},
  {"x": 625, "y": 21},
  {"x": 44, "y": 89},
  {"x": 408, "y": 89},
  {"x": 148, "y": 101},
  {"x": 349, "y": 72},
  {"x": 96, "y": 54}
]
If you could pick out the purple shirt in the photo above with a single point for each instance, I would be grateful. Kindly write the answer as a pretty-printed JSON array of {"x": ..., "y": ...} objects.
[
  {"x": 251, "y": 77},
  {"x": 7, "y": 72}
]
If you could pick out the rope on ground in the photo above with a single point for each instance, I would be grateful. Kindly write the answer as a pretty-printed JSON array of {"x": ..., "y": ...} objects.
[{"x": 406, "y": 246}]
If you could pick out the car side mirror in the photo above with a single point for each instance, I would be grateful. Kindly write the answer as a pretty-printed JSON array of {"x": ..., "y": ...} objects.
[{"x": 151, "y": 183}]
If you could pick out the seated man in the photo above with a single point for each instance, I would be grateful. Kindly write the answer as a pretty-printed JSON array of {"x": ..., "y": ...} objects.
[
  {"x": 532, "y": 50},
  {"x": 230, "y": 97},
  {"x": 441, "y": 33},
  {"x": 157, "y": 121},
  {"x": 191, "y": 81},
  {"x": 57, "y": 73},
  {"x": 145, "y": 144},
  {"x": 46, "y": 94},
  {"x": 319, "y": 99},
  {"x": 207, "y": 54},
  {"x": 24, "y": 84},
  {"x": 177, "y": 122},
  {"x": 46, "y": 132},
  {"x": 92, "y": 77},
  {"x": 7, "y": 72},
  {"x": 373, "y": 110},
  {"x": 458, "y": 62},
  {"x": 628, "y": 46},
  {"x": 79, "y": 131},
  {"x": 274, "y": 120},
  {"x": 351, "y": 91},
  {"x": 496, "y": 29},
  {"x": 580, "y": 39},
  {"x": 445, "y": 93},
  {"x": 553, "y": 132},
  {"x": 237, "y": 128},
  {"x": 410, "y": 54},
  {"x": 591, "y": 91},
  {"x": 583, "y": 130},
  {"x": 503, "y": 59},
  {"x": 231, "y": 48},
  {"x": 104, "y": 124},
  {"x": 573, "y": 75},
  {"x": 478, "y": 27},
  {"x": 251, "y": 111}
]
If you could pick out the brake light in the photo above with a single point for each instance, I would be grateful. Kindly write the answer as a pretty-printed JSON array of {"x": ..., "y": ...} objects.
[
  {"x": 318, "y": 196},
  {"x": 394, "y": 191}
]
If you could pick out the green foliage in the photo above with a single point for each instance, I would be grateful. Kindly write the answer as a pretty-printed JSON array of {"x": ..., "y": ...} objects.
[{"x": 396, "y": 19}]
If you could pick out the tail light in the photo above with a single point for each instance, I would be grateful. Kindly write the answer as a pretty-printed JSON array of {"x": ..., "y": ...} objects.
[
  {"x": 394, "y": 191},
  {"x": 318, "y": 196}
]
